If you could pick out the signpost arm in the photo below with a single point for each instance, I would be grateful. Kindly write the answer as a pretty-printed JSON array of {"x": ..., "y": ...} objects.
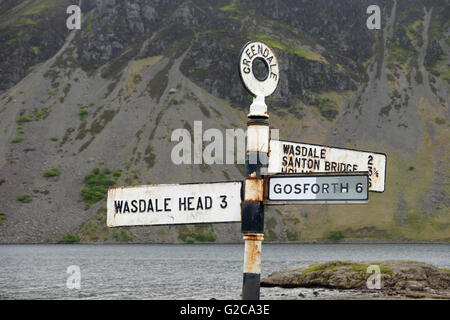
[{"x": 252, "y": 206}]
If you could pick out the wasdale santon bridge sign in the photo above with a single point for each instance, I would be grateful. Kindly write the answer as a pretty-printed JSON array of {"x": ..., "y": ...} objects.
[
  {"x": 294, "y": 173},
  {"x": 298, "y": 157}
]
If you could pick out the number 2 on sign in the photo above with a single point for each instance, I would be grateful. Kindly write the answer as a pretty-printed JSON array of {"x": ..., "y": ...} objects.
[{"x": 369, "y": 166}]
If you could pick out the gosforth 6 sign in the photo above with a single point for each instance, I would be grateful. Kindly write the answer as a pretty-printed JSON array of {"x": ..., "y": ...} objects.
[
  {"x": 174, "y": 204},
  {"x": 313, "y": 188},
  {"x": 292, "y": 157}
]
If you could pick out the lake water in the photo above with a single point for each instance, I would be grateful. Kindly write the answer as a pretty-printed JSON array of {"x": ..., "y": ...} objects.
[{"x": 163, "y": 271}]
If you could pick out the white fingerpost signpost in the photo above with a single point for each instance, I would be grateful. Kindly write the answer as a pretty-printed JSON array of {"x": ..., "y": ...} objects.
[{"x": 294, "y": 173}]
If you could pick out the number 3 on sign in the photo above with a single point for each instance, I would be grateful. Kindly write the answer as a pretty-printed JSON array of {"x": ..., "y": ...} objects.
[{"x": 223, "y": 205}]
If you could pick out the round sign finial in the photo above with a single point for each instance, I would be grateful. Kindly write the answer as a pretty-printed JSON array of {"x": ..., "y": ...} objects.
[{"x": 257, "y": 84}]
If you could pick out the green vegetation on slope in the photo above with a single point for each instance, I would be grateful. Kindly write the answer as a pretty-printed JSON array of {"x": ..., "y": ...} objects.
[
  {"x": 69, "y": 238},
  {"x": 24, "y": 198},
  {"x": 97, "y": 186},
  {"x": 197, "y": 233},
  {"x": 18, "y": 139},
  {"x": 291, "y": 48},
  {"x": 52, "y": 173}
]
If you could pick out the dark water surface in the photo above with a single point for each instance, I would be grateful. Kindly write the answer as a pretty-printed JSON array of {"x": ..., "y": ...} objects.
[{"x": 163, "y": 271}]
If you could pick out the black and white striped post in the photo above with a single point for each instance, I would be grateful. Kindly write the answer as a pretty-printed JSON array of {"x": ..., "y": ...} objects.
[{"x": 256, "y": 159}]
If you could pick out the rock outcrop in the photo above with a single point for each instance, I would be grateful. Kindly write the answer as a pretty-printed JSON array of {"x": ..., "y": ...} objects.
[{"x": 400, "y": 277}]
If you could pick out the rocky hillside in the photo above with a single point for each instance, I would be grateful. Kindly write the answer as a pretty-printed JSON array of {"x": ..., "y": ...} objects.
[{"x": 85, "y": 109}]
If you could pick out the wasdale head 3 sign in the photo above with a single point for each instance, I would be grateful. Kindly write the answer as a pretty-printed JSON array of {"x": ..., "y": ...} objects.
[
  {"x": 252, "y": 52},
  {"x": 166, "y": 204}
]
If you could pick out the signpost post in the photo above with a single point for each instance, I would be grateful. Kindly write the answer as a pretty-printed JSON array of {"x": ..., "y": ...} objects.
[{"x": 252, "y": 226}]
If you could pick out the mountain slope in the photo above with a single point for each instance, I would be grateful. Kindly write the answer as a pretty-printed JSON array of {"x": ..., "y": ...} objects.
[{"x": 102, "y": 97}]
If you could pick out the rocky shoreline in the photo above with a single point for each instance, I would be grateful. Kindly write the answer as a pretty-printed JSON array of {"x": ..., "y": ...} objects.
[{"x": 397, "y": 279}]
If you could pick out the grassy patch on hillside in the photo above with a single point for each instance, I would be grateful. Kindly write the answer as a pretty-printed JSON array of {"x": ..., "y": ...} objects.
[
  {"x": 2, "y": 217},
  {"x": 25, "y": 118},
  {"x": 24, "y": 198},
  {"x": 445, "y": 76},
  {"x": 199, "y": 233},
  {"x": 52, "y": 173},
  {"x": 53, "y": 93},
  {"x": 335, "y": 235},
  {"x": 291, "y": 48},
  {"x": 97, "y": 185},
  {"x": 83, "y": 112},
  {"x": 29, "y": 21},
  {"x": 32, "y": 12},
  {"x": 43, "y": 113},
  {"x": 17, "y": 139},
  {"x": 207, "y": 236},
  {"x": 69, "y": 238},
  {"x": 230, "y": 8}
]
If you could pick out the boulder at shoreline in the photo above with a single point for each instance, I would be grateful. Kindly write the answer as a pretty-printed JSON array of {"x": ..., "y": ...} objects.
[{"x": 410, "y": 279}]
